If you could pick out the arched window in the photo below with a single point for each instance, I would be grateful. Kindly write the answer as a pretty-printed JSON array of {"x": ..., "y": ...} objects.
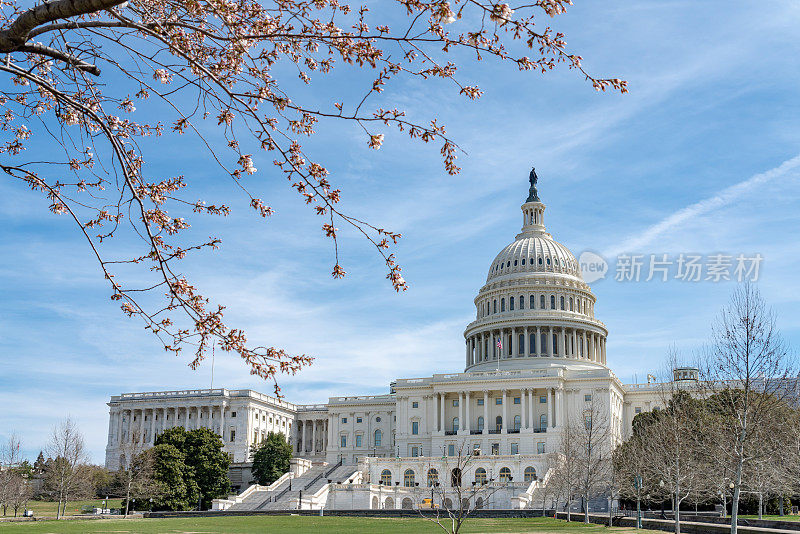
[
  {"x": 455, "y": 477},
  {"x": 521, "y": 346},
  {"x": 517, "y": 422},
  {"x": 480, "y": 423},
  {"x": 540, "y": 261},
  {"x": 386, "y": 477},
  {"x": 378, "y": 438},
  {"x": 570, "y": 304},
  {"x": 433, "y": 477},
  {"x": 511, "y": 303},
  {"x": 552, "y": 302},
  {"x": 515, "y": 263},
  {"x": 495, "y": 306},
  {"x": 375, "y": 503},
  {"x": 530, "y": 474},
  {"x": 480, "y": 476},
  {"x": 543, "y": 344},
  {"x": 508, "y": 264},
  {"x": 523, "y": 261},
  {"x": 498, "y": 422},
  {"x": 479, "y": 503},
  {"x": 543, "y": 421},
  {"x": 505, "y": 474},
  {"x": 541, "y": 302},
  {"x": 562, "y": 302},
  {"x": 407, "y": 504},
  {"x": 555, "y": 344},
  {"x": 521, "y": 302},
  {"x": 548, "y": 261},
  {"x": 455, "y": 424},
  {"x": 532, "y": 346},
  {"x": 502, "y": 305},
  {"x": 389, "y": 503},
  {"x": 408, "y": 478}
]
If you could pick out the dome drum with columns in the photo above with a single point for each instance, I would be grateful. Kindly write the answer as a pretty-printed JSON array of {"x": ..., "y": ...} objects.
[{"x": 536, "y": 305}]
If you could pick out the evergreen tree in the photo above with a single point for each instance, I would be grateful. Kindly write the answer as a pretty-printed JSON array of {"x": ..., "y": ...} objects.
[
  {"x": 200, "y": 463},
  {"x": 271, "y": 458},
  {"x": 39, "y": 464}
]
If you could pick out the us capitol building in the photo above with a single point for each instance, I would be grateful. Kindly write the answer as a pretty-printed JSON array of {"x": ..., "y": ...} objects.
[{"x": 534, "y": 358}]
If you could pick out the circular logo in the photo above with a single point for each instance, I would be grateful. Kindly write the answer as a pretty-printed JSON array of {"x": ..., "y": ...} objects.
[{"x": 593, "y": 266}]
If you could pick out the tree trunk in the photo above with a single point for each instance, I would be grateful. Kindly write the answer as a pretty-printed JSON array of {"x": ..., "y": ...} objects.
[
  {"x": 760, "y": 505},
  {"x": 780, "y": 505},
  {"x": 586, "y": 508},
  {"x": 736, "y": 489}
]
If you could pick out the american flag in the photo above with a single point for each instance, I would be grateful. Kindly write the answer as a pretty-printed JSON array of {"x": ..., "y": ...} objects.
[{"x": 499, "y": 343}]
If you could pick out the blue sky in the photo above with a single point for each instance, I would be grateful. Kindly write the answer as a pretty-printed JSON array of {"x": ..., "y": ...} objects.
[{"x": 700, "y": 157}]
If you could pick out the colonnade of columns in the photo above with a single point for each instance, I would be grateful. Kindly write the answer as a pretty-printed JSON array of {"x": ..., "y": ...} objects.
[
  {"x": 471, "y": 423},
  {"x": 541, "y": 341},
  {"x": 312, "y": 435},
  {"x": 152, "y": 420}
]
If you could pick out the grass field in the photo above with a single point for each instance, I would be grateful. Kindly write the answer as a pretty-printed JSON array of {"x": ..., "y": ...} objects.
[{"x": 298, "y": 525}]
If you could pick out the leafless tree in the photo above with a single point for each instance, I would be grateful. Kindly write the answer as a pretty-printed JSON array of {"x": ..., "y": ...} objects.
[
  {"x": 66, "y": 477},
  {"x": 630, "y": 466},
  {"x": 454, "y": 496},
  {"x": 592, "y": 450},
  {"x": 672, "y": 450},
  {"x": 567, "y": 471},
  {"x": 764, "y": 474},
  {"x": 10, "y": 458},
  {"x": 751, "y": 372},
  {"x": 19, "y": 490},
  {"x": 76, "y": 71},
  {"x": 135, "y": 477}
]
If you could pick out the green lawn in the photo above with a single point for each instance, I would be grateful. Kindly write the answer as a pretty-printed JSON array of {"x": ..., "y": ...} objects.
[
  {"x": 299, "y": 525},
  {"x": 47, "y": 508}
]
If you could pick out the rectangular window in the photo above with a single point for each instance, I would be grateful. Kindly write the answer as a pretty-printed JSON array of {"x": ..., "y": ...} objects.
[
  {"x": 480, "y": 402},
  {"x": 414, "y": 452},
  {"x": 233, "y": 435},
  {"x": 415, "y": 427},
  {"x": 451, "y": 450},
  {"x": 344, "y": 441},
  {"x": 587, "y": 398},
  {"x": 540, "y": 447},
  {"x": 344, "y": 420},
  {"x": 515, "y": 448},
  {"x": 455, "y": 403},
  {"x": 233, "y": 414},
  {"x": 495, "y": 448},
  {"x": 358, "y": 440},
  {"x": 498, "y": 400},
  {"x": 358, "y": 419},
  {"x": 415, "y": 404},
  {"x": 517, "y": 400},
  {"x": 543, "y": 399}
]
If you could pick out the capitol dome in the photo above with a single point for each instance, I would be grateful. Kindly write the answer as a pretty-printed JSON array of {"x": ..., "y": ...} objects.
[{"x": 535, "y": 309}]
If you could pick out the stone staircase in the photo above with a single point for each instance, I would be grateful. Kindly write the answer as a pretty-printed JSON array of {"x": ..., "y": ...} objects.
[{"x": 286, "y": 495}]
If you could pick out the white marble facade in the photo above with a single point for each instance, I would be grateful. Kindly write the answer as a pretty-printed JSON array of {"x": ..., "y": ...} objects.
[{"x": 535, "y": 355}]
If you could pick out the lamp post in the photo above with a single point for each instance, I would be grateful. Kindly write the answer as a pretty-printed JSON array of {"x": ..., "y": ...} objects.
[{"x": 637, "y": 483}]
